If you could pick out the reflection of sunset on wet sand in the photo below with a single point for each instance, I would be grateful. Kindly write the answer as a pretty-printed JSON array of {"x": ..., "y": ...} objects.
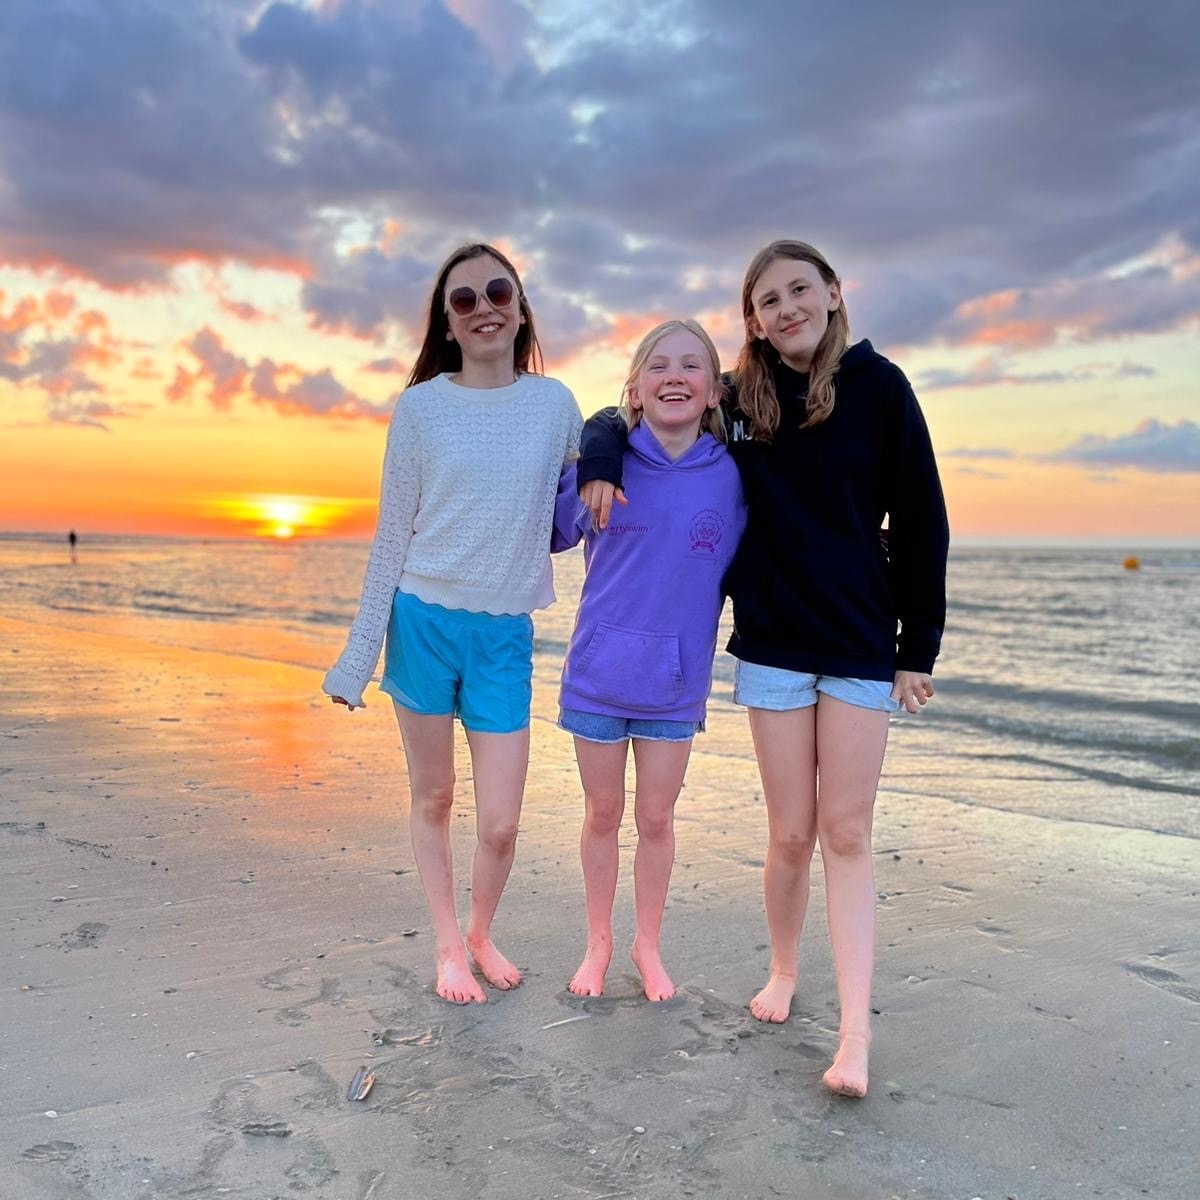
[{"x": 216, "y": 920}]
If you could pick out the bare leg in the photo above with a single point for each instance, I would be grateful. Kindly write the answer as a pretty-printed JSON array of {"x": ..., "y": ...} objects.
[
  {"x": 785, "y": 744},
  {"x": 850, "y": 746},
  {"x": 660, "y": 771},
  {"x": 429, "y": 749},
  {"x": 499, "y": 762},
  {"x": 602, "y": 773}
]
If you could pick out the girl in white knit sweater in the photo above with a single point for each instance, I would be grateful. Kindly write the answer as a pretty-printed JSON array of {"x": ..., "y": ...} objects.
[{"x": 459, "y": 561}]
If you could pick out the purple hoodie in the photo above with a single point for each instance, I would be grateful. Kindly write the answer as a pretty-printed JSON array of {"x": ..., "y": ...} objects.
[{"x": 646, "y": 631}]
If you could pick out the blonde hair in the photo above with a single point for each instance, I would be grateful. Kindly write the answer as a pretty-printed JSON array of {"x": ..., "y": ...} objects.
[
  {"x": 713, "y": 420},
  {"x": 755, "y": 370}
]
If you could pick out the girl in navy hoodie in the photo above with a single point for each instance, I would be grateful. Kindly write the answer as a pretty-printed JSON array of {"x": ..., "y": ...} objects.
[
  {"x": 639, "y": 666},
  {"x": 834, "y": 629}
]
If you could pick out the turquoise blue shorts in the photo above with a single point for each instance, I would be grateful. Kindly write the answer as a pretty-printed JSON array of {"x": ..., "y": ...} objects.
[
  {"x": 595, "y": 727},
  {"x": 773, "y": 688},
  {"x": 450, "y": 662}
]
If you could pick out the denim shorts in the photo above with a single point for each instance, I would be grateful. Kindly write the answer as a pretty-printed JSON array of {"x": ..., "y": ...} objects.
[
  {"x": 451, "y": 662},
  {"x": 757, "y": 686},
  {"x": 593, "y": 727}
]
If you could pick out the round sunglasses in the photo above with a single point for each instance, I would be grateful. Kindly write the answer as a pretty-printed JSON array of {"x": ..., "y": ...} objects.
[{"x": 498, "y": 292}]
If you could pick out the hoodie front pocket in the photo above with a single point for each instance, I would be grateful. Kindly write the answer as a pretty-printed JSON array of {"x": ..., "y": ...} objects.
[{"x": 629, "y": 667}]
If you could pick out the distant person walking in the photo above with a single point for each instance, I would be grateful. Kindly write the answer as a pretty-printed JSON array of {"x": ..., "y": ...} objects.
[
  {"x": 71, "y": 540},
  {"x": 460, "y": 559}
]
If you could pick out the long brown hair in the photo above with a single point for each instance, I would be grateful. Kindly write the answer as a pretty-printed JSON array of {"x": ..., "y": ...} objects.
[
  {"x": 713, "y": 420},
  {"x": 755, "y": 370},
  {"x": 439, "y": 353}
]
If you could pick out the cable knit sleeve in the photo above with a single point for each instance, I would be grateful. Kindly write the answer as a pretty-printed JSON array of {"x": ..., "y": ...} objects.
[{"x": 398, "y": 498}]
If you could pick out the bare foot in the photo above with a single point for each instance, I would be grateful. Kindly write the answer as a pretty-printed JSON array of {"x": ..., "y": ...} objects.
[
  {"x": 774, "y": 1002},
  {"x": 848, "y": 1075},
  {"x": 455, "y": 982},
  {"x": 656, "y": 983},
  {"x": 497, "y": 970},
  {"x": 589, "y": 979}
]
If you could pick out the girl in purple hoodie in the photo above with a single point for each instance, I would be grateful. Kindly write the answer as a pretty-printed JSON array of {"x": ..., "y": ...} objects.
[{"x": 639, "y": 666}]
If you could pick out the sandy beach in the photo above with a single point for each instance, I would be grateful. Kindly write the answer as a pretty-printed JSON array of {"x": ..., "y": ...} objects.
[{"x": 212, "y": 922}]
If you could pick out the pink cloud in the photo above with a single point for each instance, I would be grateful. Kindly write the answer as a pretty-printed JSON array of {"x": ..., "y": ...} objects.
[{"x": 286, "y": 388}]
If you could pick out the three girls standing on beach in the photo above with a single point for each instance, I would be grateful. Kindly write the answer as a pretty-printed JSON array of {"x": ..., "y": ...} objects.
[
  {"x": 829, "y": 441},
  {"x": 460, "y": 558}
]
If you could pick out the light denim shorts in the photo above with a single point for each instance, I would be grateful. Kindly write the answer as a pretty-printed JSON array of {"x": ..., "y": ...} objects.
[
  {"x": 593, "y": 727},
  {"x": 451, "y": 662},
  {"x": 757, "y": 686}
]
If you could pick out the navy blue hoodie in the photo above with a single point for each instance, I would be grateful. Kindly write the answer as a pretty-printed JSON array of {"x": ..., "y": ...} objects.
[
  {"x": 646, "y": 630},
  {"x": 813, "y": 587}
]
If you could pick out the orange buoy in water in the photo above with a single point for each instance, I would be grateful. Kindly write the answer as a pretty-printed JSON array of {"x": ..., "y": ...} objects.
[{"x": 1132, "y": 563}]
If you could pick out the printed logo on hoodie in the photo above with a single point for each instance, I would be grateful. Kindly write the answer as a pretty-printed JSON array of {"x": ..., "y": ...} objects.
[{"x": 708, "y": 527}]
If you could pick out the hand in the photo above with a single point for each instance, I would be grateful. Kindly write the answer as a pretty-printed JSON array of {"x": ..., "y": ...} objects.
[
  {"x": 912, "y": 689},
  {"x": 340, "y": 700},
  {"x": 598, "y": 495}
]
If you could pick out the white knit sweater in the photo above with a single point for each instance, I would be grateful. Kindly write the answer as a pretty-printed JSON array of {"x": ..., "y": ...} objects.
[{"x": 465, "y": 509}]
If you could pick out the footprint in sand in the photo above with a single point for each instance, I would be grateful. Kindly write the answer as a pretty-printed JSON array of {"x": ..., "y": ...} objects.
[
  {"x": 325, "y": 1092},
  {"x": 50, "y": 1152},
  {"x": 900, "y": 1096},
  {"x": 1160, "y": 977},
  {"x": 84, "y": 937},
  {"x": 397, "y": 1037},
  {"x": 282, "y": 979},
  {"x": 330, "y": 993},
  {"x": 1002, "y": 937}
]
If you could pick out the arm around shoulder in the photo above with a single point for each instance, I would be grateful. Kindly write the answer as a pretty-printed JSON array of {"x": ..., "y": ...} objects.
[{"x": 602, "y": 448}]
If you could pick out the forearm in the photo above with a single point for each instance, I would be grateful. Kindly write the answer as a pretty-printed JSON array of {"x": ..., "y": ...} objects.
[{"x": 602, "y": 448}]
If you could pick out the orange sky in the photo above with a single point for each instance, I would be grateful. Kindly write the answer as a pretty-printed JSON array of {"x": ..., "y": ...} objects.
[
  {"x": 227, "y": 479},
  {"x": 222, "y": 467}
]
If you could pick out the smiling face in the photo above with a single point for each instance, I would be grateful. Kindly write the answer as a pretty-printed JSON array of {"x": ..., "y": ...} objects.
[
  {"x": 791, "y": 303},
  {"x": 675, "y": 386},
  {"x": 487, "y": 333}
]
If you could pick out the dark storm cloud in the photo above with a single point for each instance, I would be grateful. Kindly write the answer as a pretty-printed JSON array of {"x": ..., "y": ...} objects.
[{"x": 941, "y": 154}]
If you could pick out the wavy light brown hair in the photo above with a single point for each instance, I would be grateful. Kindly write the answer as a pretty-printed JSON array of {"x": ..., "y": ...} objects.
[
  {"x": 713, "y": 420},
  {"x": 439, "y": 354},
  {"x": 755, "y": 370}
]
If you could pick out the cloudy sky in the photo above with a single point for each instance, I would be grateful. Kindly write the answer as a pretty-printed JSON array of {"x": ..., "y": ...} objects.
[{"x": 219, "y": 222}]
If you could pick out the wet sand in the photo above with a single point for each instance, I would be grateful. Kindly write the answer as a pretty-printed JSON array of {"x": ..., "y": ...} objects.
[{"x": 212, "y": 921}]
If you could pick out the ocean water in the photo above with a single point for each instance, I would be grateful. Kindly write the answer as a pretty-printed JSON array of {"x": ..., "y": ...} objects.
[{"x": 1067, "y": 686}]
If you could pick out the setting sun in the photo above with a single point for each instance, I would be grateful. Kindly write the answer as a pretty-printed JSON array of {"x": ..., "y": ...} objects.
[
  {"x": 286, "y": 515},
  {"x": 281, "y": 516}
]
